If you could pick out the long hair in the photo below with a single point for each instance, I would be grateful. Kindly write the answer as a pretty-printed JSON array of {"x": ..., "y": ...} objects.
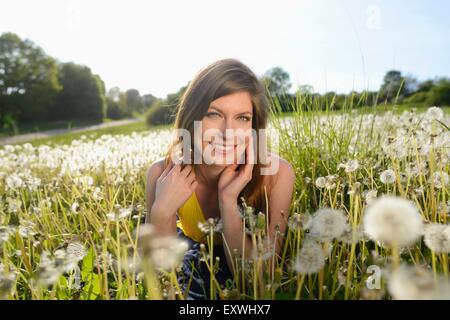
[{"x": 221, "y": 78}]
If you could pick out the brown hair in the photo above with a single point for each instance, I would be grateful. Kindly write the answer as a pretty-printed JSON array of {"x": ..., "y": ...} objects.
[{"x": 221, "y": 78}]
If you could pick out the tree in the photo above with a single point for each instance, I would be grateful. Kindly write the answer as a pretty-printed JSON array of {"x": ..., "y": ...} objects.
[
  {"x": 305, "y": 89},
  {"x": 164, "y": 111},
  {"x": 277, "y": 81},
  {"x": 28, "y": 80},
  {"x": 115, "y": 104},
  {"x": 148, "y": 100},
  {"x": 133, "y": 100},
  {"x": 394, "y": 83},
  {"x": 425, "y": 86},
  {"x": 82, "y": 96}
]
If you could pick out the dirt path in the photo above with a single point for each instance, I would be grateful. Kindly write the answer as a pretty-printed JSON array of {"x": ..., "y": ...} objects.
[{"x": 21, "y": 138}]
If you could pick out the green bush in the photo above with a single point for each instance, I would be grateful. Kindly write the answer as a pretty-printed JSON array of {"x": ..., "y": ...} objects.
[
  {"x": 418, "y": 97},
  {"x": 439, "y": 95},
  {"x": 160, "y": 113}
]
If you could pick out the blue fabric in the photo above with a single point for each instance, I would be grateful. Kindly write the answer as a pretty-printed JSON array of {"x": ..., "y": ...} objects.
[{"x": 199, "y": 287}]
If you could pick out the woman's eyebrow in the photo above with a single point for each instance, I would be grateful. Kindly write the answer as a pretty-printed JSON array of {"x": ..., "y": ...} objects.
[{"x": 239, "y": 114}]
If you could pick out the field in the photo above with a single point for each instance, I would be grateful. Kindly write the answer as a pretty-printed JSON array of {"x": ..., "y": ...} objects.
[{"x": 369, "y": 218}]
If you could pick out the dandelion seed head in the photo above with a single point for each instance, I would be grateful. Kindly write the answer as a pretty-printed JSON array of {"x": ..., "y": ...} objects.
[
  {"x": 328, "y": 224},
  {"x": 370, "y": 196},
  {"x": 76, "y": 250},
  {"x": 393, "y": 221},
  {"x": 387, "y": 177},
  {"x": 435, "y": 113},
  {"x": 417, "y": 283},
  {"x": 437, "y": 237},
  {"x": 321, "y": 182},
  {"x": 440, "y": 179},
  {"x": 311, "y": 258}
]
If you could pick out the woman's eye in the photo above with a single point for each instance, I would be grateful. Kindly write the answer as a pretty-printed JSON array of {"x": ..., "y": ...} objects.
[
  {"x": 245, "y": 118},
  {"x": 212, "y": 114}
]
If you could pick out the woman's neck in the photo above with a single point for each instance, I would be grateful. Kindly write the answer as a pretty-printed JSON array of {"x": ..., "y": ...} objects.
[{"x": 209, "y": 174}]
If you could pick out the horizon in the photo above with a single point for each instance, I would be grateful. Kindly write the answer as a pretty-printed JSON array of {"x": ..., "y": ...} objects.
[{"x": 368, "y": 38}]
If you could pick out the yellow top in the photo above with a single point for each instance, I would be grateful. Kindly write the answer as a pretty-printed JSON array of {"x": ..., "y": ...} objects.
[{"x": 190, "y": 215}]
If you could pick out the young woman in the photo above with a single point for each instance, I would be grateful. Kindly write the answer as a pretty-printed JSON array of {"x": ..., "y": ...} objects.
[{"x": 223, "y": 97}]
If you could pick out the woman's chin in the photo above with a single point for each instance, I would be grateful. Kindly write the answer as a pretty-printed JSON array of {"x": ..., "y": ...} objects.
[{"x": 224, "y": 159}]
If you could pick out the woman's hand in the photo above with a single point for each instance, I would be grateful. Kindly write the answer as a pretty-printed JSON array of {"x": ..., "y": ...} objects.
[
  {"x": 232, "y": 182},
  {"x": 174, "y": 187}
]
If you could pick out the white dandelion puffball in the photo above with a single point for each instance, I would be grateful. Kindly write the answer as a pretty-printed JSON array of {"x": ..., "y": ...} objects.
[
  {"x": 328, "y": 224},
  {"x": 310, "y": 259},
  {"x": 370, "y": 196},
  {"x": 417, "y": 283},
  {"x": 321, "y": 182},
  {"x": 437, "y": 237},
  {"x": 393, "y": 221},
  {"x": 76, "y": 250},
  {"x": 435, "y": 113},
  {"x": 440, "y": 179},
  {"x": 388, "y": 176}
]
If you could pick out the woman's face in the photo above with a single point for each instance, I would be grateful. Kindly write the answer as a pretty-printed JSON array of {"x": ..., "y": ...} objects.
[{"x": 225, "y": 126}]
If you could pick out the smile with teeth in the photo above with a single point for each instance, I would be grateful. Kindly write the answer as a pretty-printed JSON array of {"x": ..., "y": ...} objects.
[{"x": 222, "y": 148}]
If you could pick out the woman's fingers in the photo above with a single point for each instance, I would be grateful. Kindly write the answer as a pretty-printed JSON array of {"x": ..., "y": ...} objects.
[
  {"x": 186, "y": 170},
  {"x": 166, "y": 170},
  {"x": 250, "y": 158},
  {"x": 190, "y": 177},
  {"x": 194, "y": 185}
]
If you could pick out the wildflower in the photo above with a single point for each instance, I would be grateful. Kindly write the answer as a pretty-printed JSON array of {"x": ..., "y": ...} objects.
[
  {"x": 393, "y": 221},
  {"x": 297, "y": 220},
  {"x": 330, "y": 181},
  {"x": 311, "y": 258},
  {"x": 104, "y": 260},
  {"x": 7, "y": 281},
  {"x": 14, "y": 205},
  {"x": 5, "y": 233},
  {"x": 49, "y": 271},
  {"x": 321, "y": 182},
  {"x": 437, "y": 237},
  {"x": 370, "y": 196},
  {"x": 434, "y": 113},
  {"x": 265, "y": 249},
  {"x": 352, "y": 235},
  {"x": 76, "y": 250},
  {"x": 119, "y": 213},
  {"x": 444, "y": 208},
  {"x": 97, "y": 194},
  {"x": 349, "y": 166},
  {"x": 26, "y": 229},
  {"x": 250, "y": 218},
  {"x": 387, "y": 177},
  {"x": 328, "y": 224},
  {"x": 14, "y": 181},
  {"x": 440, "y": 179},
  {"x": 417, "y": 283},
  {"x": 75, "y": 207},
  {"x": 212, "y": 224},
  {"x": 163, "y": 252}
]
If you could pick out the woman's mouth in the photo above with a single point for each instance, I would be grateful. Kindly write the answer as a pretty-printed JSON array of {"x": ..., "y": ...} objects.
[{"x": 223, "y": 148}]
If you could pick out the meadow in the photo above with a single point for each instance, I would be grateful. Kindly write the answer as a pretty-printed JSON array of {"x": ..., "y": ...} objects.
[{"x": 369, "y": 216}]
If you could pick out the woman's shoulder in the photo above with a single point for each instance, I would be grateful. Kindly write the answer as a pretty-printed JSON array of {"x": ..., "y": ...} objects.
[
  {"x": 280, "y": 170},
  {"x": 155, "y": 169}
]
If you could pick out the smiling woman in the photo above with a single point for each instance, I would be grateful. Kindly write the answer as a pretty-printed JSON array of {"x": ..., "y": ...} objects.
[{"x": 228, "y": 103}]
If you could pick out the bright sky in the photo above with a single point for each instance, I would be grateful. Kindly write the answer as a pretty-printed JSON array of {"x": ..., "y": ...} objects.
[{"x": 157, "y": 46}]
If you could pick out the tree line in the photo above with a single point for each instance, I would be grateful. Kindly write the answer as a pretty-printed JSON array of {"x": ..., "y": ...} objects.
[{"x": 37, "y": 87}]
